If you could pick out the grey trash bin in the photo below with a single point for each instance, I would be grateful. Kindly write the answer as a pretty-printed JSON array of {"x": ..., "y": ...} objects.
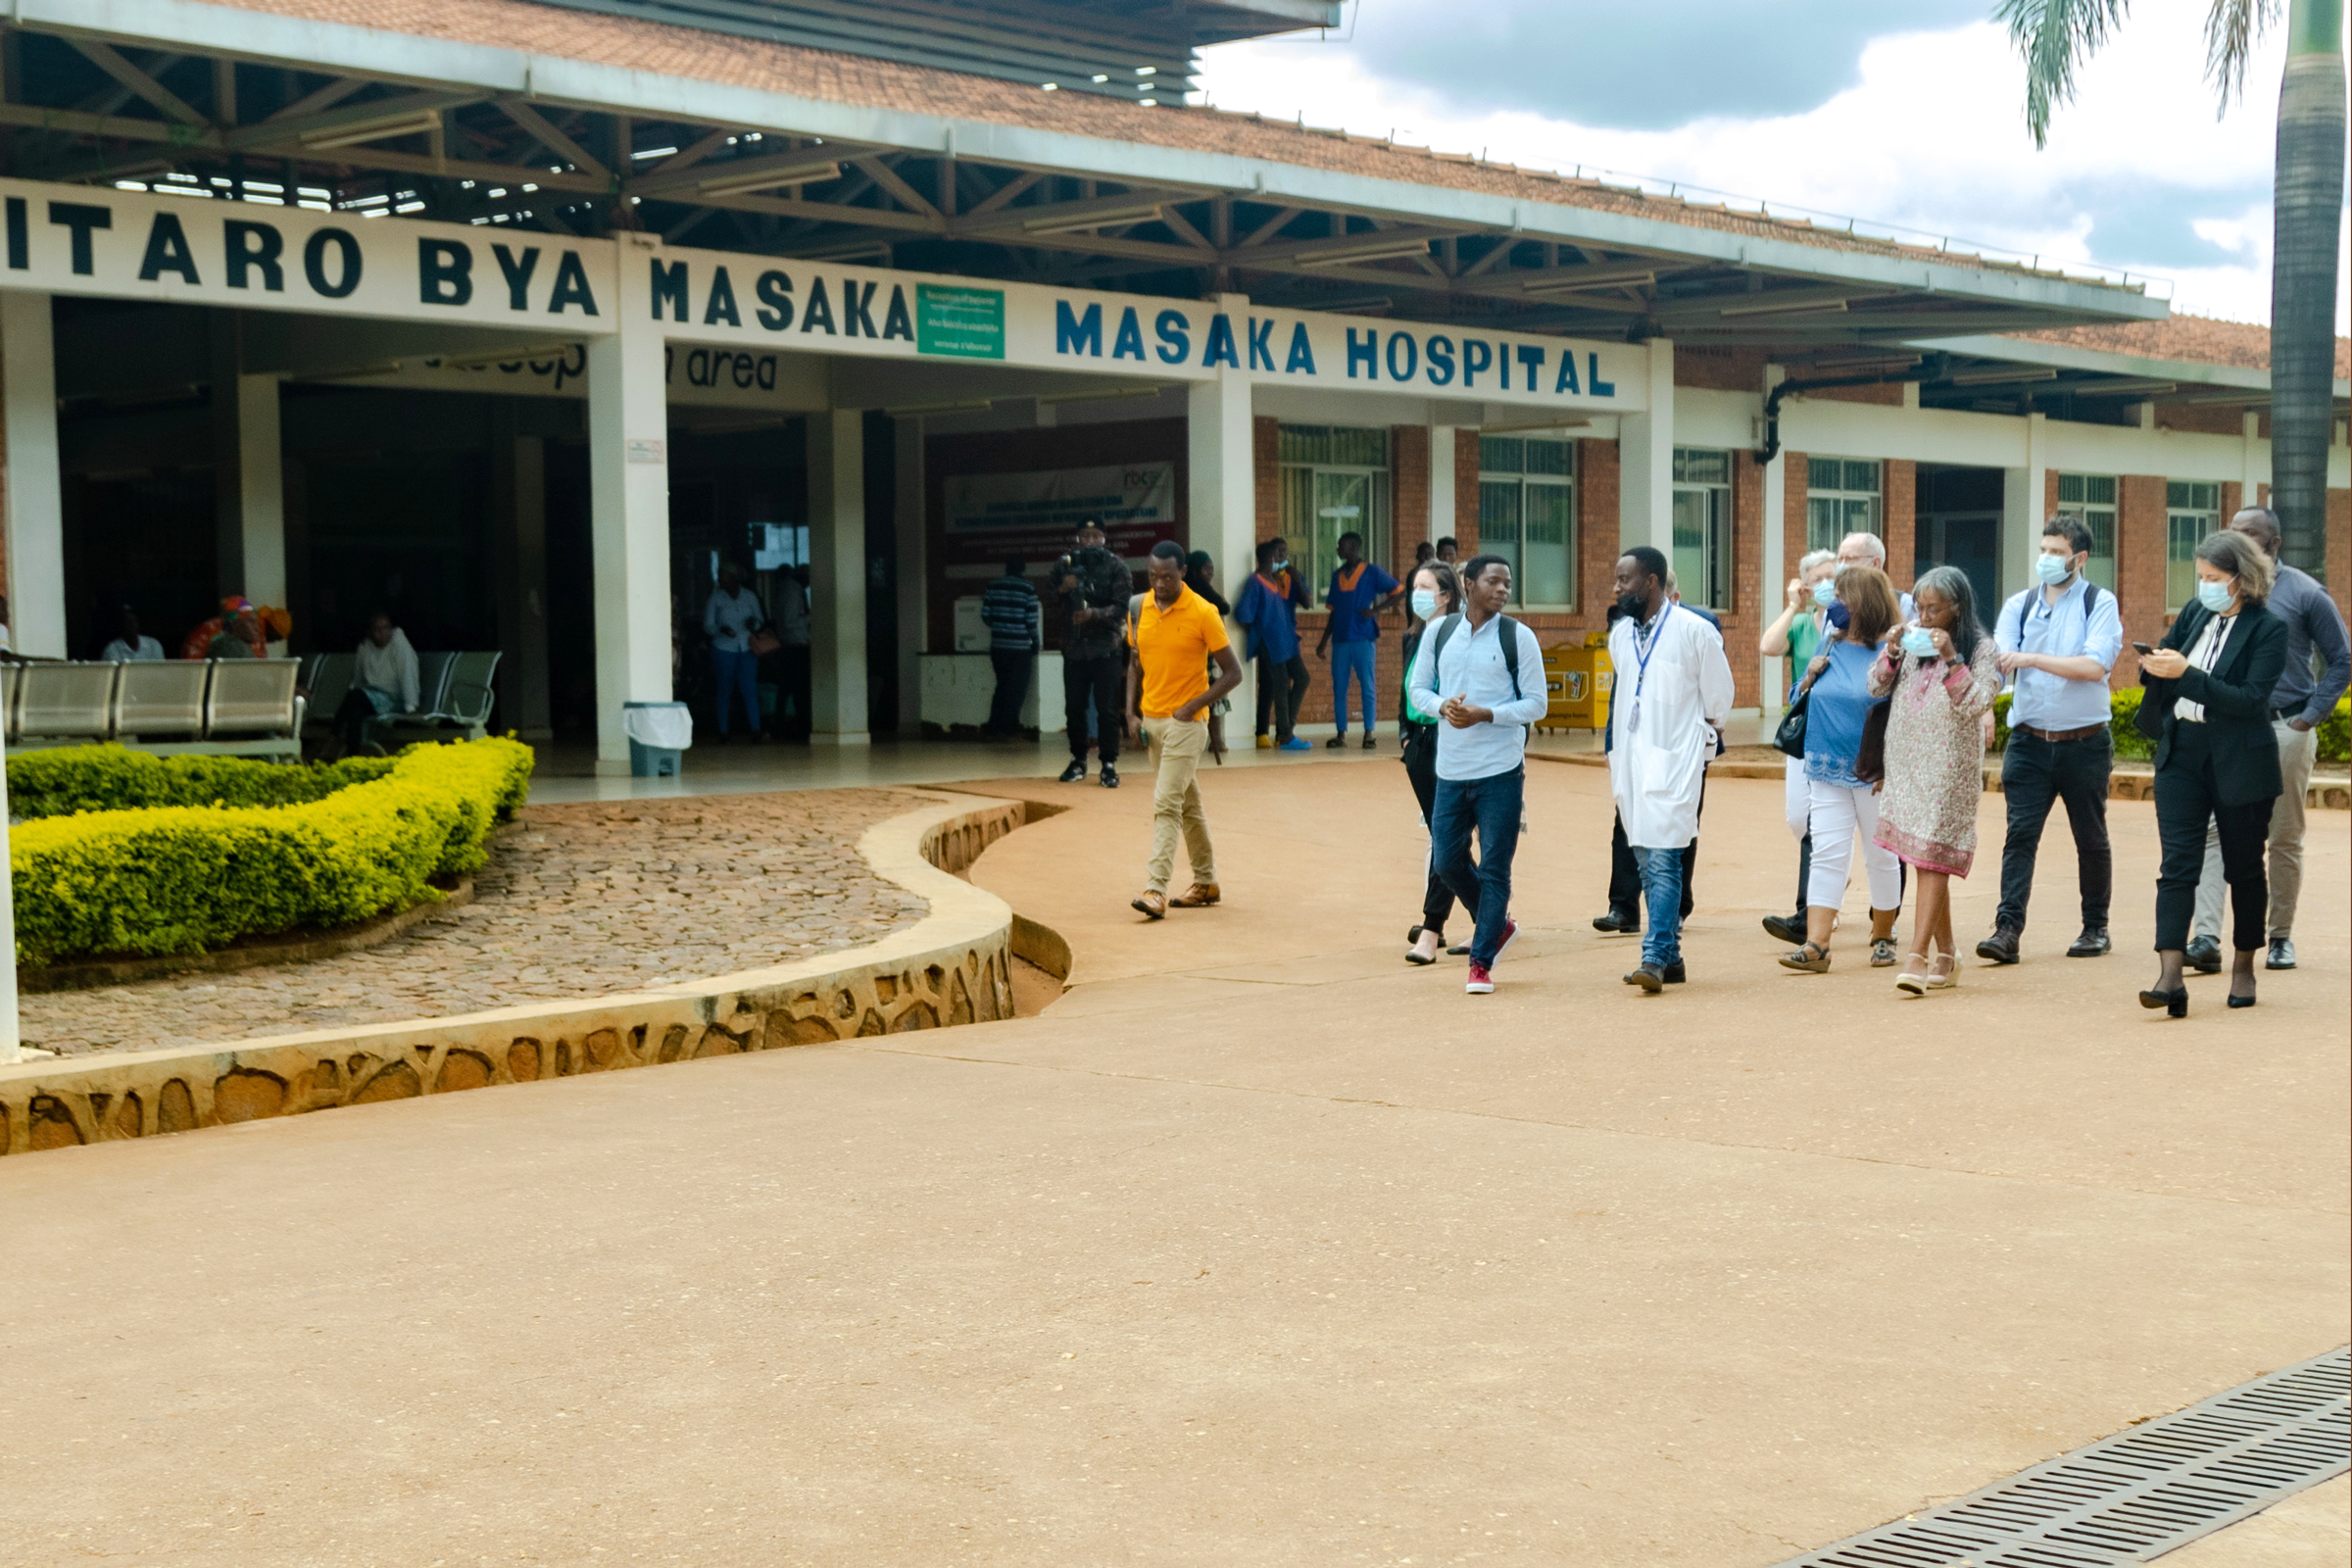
[{"x": 658, "y": 733}]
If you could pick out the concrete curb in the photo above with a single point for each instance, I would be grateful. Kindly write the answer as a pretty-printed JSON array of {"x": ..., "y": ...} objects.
[{"x": 950, "y": 967}]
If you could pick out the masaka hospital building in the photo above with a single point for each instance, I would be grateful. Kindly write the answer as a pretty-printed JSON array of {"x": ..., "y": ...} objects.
[{"x": 519, "y": 315}]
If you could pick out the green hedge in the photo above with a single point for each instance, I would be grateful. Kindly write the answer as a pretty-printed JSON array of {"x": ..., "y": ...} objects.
[
  {"x": 2132, "y": 745},
  {"x": 179, "y": 879},
  {"x": 115, "y": 778}
]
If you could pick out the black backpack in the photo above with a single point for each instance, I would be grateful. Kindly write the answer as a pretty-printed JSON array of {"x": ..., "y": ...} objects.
[{"x": 1507, "y": 633}]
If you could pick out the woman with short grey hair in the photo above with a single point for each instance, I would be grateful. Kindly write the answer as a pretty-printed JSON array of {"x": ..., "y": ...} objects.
[{"x": 2208, "y": 708}]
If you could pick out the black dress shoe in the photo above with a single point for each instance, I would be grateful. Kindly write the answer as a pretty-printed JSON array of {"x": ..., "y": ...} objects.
[
  {"x": 1648, "y": 976},
  {"x": 1075, "y": 773},
  {"x": 2282, "y": 954},
  {"x": 1787, "y": 928},
  {"x": 2000, "y": 946},
  {"x": 2203, "y": 955},
  {"x": 2236, "y": 1001},
  {"x": 2090, "y": 944},
  {"x": 1618, "y": 920},
  {"x": 2174, "y": 1003},
  {"x": 1674, "y": 973}
]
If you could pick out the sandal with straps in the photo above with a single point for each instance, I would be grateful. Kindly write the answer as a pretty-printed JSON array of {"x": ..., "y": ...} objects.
[{"x": 1811, "y": 958}]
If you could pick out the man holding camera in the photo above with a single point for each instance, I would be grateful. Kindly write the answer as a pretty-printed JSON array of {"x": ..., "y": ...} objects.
[{"x": 1094, "y": 586}]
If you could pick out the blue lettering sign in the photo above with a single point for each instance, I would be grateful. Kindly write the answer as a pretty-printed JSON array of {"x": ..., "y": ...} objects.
[
  {"x": 1302, "y": 353},
  {"x": 856, "y": 310},
  {"x": 168, "y": 251},
  {"x": 1129, "y": 344},
  {"x": 896, "y": 323},
  {"x": 1175, "y": 336},
  {"x": 571, "y": 286},
  {"x": 1261, "y": 344},
  {"x": 818, "y": 311},
  {"x": 1412, "y": 356},
  {"x": 1567, "y": 379},
  {"x": 1600, "y": 389},
  {"x": 1477, "y": 355},
  {"x": 1077, "y": 334},
  {"x": 670, "y": 283},
  {"x": 252, "y": 245},
  {"x": 775, "y": 293},
  {"x": 1220, "y": 348},
  {"x": 1365, "y": 353},
  {"x": 1531, "y": 355},
  {"x": 720, "y": 306},
  {"x": 1441, "y": 360},
  {"x": 518, "y": 273}
]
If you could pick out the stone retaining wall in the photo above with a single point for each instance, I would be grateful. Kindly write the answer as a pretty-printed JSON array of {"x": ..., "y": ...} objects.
[{"x": 950, "y": 967}]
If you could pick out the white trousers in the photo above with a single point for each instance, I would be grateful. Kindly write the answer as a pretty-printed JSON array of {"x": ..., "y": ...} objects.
[
  {"x": 1797, "y": 800},
  {"x": 1837, "y": 815}
]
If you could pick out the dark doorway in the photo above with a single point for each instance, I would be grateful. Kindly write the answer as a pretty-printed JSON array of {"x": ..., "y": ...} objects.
[{"x": 1959, "y": 524}]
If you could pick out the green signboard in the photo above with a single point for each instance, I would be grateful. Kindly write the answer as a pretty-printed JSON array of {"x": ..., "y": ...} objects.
[{"x": 963, "y": 323}]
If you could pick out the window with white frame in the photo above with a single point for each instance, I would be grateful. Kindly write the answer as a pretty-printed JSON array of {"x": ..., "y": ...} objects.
[
  {"x": 1703, "y": 526},
  {"x": 1527, "y": 514},
  {"x": 1843, "y": 496},
  {"x": 1335, "y": 480},
  {"x": 2091, "y": 497},
  {"x": 2191, "y": 510}
]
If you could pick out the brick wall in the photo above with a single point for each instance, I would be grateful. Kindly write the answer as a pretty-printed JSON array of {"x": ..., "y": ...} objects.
[
  {"x": 2049, "y": 494},
  {"x": 1887, "y": 394},
  {"x": 1749, "y": 594},
  {"x": 1902, "y": 520},
  {"x": 1719, "y": 369},
  {"x": 1598, "y": 477},
  {"x": 2339, "y": 550},
  {"x": 1265, "y": 456},
  {"x": 2141, "y": 545},
  {"x": 1793, "y": 539},
  {"x": 1408, "y": 492},
  {"x": 1465, "y": 492}
]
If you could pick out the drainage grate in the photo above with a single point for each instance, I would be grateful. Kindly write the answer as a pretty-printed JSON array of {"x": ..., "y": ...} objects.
[{"x": 2140, "y": 1494}]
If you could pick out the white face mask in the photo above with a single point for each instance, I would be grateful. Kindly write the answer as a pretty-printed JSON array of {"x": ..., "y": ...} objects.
[
  {"x": 2213, "y": 596},
  {"x": 1425, "y": 603},
  {"x": 1825, "y": 593},
  {"x": 2053, "y": 570}
]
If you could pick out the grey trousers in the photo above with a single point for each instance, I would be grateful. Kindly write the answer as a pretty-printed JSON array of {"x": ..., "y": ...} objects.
[{"x": 2296, "y": 749}]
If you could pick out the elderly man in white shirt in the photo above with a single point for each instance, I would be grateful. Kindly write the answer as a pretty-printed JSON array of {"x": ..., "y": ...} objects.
[
  {"x": 1481, "y": 673},
  {"x": 1672, "y": 698}
]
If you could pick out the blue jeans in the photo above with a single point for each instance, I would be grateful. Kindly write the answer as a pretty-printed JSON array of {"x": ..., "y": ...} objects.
[
  {"x": 1662, "y": 889},
  {"x": 738, "y": 672},
  {"x": 1492, "y": 805},
  {"x": 1353, "y": 659}
]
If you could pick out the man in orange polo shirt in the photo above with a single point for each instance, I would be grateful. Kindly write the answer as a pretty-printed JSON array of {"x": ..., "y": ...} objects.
[{"x": 1168, "y": 690}]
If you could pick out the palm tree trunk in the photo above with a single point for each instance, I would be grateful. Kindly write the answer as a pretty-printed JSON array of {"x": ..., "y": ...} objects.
[{"x": 2307, "y": 205}]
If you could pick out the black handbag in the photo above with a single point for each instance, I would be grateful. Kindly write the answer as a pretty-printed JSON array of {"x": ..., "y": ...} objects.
[{"x": 1791, "y": 736}]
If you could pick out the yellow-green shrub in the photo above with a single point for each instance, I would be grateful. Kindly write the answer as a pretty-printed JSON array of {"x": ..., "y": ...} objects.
[
  {"x": 115, "y": 778},
  {"x": 182, "y": 879}
]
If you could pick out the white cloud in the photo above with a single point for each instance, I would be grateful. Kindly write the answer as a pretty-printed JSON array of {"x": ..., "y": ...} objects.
[{"x": 2138, "y": 174}]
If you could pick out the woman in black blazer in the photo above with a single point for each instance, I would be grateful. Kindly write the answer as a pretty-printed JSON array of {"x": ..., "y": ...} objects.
[{"x": 2208, "y": 708}]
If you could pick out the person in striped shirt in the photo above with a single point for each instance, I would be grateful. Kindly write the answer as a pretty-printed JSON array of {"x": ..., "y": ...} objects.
[{"x": 1015, "y": 631}]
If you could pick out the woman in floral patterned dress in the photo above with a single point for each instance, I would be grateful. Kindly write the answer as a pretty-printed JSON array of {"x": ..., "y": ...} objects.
[{"x": 1941, "y": 674}]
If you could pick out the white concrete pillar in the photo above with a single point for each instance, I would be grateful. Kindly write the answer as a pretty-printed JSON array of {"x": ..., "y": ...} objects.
[
  {"x": 2255, "y": 462},
  {"x": 261, "y": 493},
  {"x": 2024, "y": 507},
  {"x": 1440, "y": 484},
  {"x": 1221, "y": 483},
  {"x": 837, "y": 578},
  {"x": 1772, "y": 563},
  {"x": 35, "y": 497},
  {"x": 1645, "y": 459},
  {"x": 914, "y": 596},
  {"x": 628, "y": 484}
]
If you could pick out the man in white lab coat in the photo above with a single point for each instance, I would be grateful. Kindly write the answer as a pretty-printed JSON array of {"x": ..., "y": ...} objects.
[{"x": 1672, "y": 698}]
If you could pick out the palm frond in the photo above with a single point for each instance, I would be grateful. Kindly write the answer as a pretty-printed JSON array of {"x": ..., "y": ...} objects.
[
  {"x": 2233, "y": 28},
  {"x": 2056, "y": 36}
]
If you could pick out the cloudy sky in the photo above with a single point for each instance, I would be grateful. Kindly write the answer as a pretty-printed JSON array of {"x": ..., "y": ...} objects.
[{"x": 1904, "y": 113}]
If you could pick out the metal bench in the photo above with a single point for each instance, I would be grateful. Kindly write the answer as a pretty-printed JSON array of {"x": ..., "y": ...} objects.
[
  {"x": 224, "y": 708},
  {"x": 64, "y": 704},
  {"x": 161, "y": 701},
  {"x": 328, "y": 680},
  {"x": 458, "y": 710}
]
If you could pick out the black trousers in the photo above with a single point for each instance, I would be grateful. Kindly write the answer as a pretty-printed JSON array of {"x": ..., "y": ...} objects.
[
  {"x": 1282, "y": 704},
  {"x": 1103, "y": 682},
  {"x": 2186, "y": 799},
  {"x": 1014, "y": 666},
  {"x": 1421, "y": 766},
  {"x": 2035, "y": 775},
  {"x": 1625, "y": 872},
  {"x": 792, "y": 662}
]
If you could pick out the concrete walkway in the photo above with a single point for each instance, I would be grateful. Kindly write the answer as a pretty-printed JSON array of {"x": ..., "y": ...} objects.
[{"x": 1256, "y": 1248}]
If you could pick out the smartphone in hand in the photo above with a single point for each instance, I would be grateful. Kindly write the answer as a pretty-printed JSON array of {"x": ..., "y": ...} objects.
[{"x": 2142, "y": 650}]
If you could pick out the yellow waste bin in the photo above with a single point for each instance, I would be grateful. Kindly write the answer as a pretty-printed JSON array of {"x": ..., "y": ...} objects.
[{"x": 1578, "y": 681}]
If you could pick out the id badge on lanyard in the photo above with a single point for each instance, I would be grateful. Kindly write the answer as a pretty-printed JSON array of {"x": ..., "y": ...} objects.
[{"x": 1633, "y": 725}]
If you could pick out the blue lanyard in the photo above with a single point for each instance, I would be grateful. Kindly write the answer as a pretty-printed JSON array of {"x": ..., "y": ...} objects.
[{"x": 1641, "y": 664}]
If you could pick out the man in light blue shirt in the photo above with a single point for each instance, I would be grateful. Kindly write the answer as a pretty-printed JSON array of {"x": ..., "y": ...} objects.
[
  {"x": 1485, "y": 693},
  {"x": 2057, "y": 640}
]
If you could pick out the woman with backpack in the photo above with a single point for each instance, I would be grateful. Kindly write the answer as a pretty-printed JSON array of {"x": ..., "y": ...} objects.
[{"x": 1435, "y": 592}]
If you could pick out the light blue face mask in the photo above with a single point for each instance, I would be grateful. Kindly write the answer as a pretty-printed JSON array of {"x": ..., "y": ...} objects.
[
  {"x": 1425, "y": 603},
  {"x": 2213, "y": 596},
  {"x": 1825, "y": 593},
  {"x": 2052, "y": 569},
  {"x": 1918, "y": 644}
]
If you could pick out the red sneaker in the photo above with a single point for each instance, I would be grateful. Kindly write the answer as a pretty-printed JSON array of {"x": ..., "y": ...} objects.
[
  {"x": 1511, "y": 934},
  {"x": 1480, "y": 983}
]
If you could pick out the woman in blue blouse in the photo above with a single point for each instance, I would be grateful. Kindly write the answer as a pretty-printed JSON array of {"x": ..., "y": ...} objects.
[{"x": 1843, "y": 806}]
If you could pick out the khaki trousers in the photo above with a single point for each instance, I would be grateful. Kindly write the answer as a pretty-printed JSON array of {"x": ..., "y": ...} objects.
[
  {"x": 2296, "y": 750},
  {"x": 1180, "y": 745}
]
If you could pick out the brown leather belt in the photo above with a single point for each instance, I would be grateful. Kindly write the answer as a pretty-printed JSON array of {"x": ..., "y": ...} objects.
[{"x": 2084, "y": 733}]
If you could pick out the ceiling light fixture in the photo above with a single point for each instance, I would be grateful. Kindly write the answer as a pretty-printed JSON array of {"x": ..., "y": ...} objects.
[
  {"x": 415, "y": 124},
  {"x": 722, "y": 184},
  {"x": 1772, "y": 306},
  {"x": 1071, "y": 222},
  {"x": 1365, "y": 247}
]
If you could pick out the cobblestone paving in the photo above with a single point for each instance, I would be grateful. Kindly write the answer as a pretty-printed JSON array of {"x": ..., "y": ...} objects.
[{"x": 577, "y": 901}]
